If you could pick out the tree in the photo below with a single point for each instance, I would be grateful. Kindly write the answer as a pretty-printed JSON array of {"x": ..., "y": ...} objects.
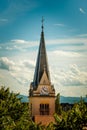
[
  {"x": 50, "y": 126},
  {"x": 73, "y": 119},
  {"x": 58, "y": 108},
  {"x": 14, "y": 115}
]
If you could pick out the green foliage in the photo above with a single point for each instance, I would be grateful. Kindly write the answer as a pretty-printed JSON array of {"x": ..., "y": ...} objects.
[
  {"x": 38, "y": 126},
  {"x": 73, "y": 119},
  {"x": 50, "y": 126},
  {"x": 58, "y": 108},
  {"x": 14, "y": 115}
]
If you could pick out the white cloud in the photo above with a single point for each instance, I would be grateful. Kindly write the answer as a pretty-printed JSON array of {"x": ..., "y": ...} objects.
[
  {"x": 15, "y": 8},
  {"x": 81, "y": 75},
  {"x": 9, "y": 48},
  {"x": 3, "y": 20},
  {"x": 24, "y": 43},
  {"x": 72, "y": 30},
  {"x": 67, "y": 41},
  {"x": 29, "y": 63},
  {"x": 7, "y": 80},
  {"x": 5, "y": 63},
  {"x": 20, "y": 41},
  {"x": 71, "y": 82},
  {"x": 72, "y": 40},
  {"x": 20, "y": 70},
  {"x": 66, "y": 54},
  {"x": 74, "y": 91},
  {"x": 67, "y": 63},
  {"x": 82, "y": 11},
  {"x": 16, "y": 66},
  {"x": 82, "y": 35},
  {"x": 59, "y": 24}
]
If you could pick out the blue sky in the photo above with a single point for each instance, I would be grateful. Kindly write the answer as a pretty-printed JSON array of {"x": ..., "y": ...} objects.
[{"x": 65, "y": 29}]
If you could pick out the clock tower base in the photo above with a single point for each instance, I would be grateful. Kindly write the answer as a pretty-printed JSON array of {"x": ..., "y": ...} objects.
[{"x": 42, "y": 109}]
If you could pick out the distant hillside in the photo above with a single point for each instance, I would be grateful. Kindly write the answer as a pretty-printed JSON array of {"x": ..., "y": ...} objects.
[
  {"x": 71, "y": 99},
  {"x": 23, "y": 98},
  {"x": 62, "y": 99}
]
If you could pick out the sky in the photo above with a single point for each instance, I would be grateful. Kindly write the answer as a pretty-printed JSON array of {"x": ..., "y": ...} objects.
[{"x": 65, "y": 30}]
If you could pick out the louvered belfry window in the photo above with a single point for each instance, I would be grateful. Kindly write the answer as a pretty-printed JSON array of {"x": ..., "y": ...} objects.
[{"x": 44, "y": 109}]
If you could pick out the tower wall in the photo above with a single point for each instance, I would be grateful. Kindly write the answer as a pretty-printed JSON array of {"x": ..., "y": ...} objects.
[{"x": 36, "y": 101}]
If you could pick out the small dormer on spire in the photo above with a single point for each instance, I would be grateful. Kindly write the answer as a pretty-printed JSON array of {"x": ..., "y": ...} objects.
[{"x": 44, "y": 79}]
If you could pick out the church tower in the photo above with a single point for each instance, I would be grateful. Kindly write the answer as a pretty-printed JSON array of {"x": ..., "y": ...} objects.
[{"x": 42, "y": 92}]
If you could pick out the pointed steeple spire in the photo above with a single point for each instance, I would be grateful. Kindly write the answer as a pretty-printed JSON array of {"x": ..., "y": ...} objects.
[{"x": 41, "y": 61}]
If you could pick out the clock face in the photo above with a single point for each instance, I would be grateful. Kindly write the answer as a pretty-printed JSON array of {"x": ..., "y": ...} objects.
[{"x": 44, "y": 91}]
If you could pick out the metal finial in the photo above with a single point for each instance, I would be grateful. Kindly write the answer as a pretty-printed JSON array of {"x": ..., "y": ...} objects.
[
  {"x": 42, "y": 20},
  {"x": 42, "y": 23}
]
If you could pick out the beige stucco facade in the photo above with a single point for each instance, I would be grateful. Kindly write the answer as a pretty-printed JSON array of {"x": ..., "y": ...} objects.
[{"x": 36, "y": 101}]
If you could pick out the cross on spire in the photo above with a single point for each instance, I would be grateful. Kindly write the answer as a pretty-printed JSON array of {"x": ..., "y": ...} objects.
[{"x": 42, "y": 22}]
